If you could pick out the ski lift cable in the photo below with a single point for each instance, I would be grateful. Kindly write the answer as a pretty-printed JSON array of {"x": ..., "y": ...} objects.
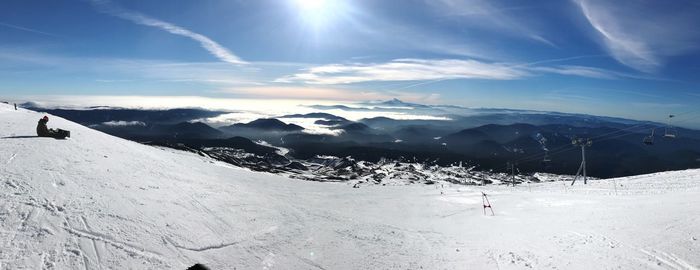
[
  {"x": 629, "y": 133},
  {"x": 551, "y": 154},
  {"x": 566, "y": 148},
  {"x": 687, "y": 119},
  {"x": 686, "y": 112},
  {"x": 540, "y": 155},
  {"x": 614, "y": 137},
  {"x": 620, "y": 130},
  {"x": 610, "y": 135},
  {"x": 676, "y": 116},
  {"x": 602, "y": 137},
  {"x": 563, "y": 147},
  {"x": 537, "y": 158},
  {"x": 619, "y": 135},
  {"x": 684, "y": 115},
  {"x": 606, "y": 138}
]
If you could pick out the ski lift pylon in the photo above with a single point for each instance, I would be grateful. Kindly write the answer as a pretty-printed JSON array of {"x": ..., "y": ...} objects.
[{"x": 546, "y": 157}]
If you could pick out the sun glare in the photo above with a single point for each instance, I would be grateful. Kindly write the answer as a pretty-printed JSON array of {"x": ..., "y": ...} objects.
[
  {"x": 312, "y": 5},
  {"x": 318, "y": 13}
]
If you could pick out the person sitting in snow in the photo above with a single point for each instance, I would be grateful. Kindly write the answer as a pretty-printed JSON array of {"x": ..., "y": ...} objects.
[
  {"x": 41, "y": 129},
  {"x": 44, "y": 131}
]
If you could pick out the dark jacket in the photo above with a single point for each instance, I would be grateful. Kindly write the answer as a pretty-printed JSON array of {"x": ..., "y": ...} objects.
[{"x": 42, "y": 130}]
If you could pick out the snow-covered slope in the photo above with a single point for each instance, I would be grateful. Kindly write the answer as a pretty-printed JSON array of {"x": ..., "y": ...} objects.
[{"x": 95, "y": 201}]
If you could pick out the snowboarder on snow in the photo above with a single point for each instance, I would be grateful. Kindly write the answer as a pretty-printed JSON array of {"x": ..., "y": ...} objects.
[
  {"x": 41, "y": 129},
  {"x": 44, "y": 131}
]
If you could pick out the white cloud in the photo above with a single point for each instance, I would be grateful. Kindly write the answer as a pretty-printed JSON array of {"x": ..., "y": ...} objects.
[
  {"x": 641, "y": 34},
  {"x": 232, "y": 118},
  {"x": 214, "y": 48},
  {"x": 17, "y": 27},
  {"x": 490, "y": 15},
  {"x": 119, "y": 70},
  {"x": 356, "y": 115},
  {"x": 299, "y": 80},
  {"x": 405, "y": 70},
  {"x": 592, "y": 72},
  {"x": 246, "y": 110},
  {"x": 432, "y": 71},
  {"x": 326, "y": 93},
  {"x": 579, "y": 71},
  {"x": 123, "y": 123},
  {"x": 310, "y": 126}
]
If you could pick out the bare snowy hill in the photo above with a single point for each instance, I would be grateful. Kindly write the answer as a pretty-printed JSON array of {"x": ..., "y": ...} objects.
[{"x": 96, "y": 201}]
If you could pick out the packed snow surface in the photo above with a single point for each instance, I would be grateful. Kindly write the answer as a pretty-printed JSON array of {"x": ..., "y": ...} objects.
[{"x": 98, "y": 202}]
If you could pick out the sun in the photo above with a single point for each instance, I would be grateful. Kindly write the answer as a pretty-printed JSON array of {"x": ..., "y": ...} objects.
[
  {"x": 312, "y": 5},
  {"x": 318, "y": 13}
]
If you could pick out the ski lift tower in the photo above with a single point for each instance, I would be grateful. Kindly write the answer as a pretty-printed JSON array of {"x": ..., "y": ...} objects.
[
  {"x": 511, "y": 167},
  {"x": 583, "y": 143}
]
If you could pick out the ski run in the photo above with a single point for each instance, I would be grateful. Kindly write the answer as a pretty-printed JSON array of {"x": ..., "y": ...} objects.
[{"x": 95, "y": 201}]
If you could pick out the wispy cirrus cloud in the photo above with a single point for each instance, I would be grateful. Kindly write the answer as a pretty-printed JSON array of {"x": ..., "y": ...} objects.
[
  {"x": 490, "y": 15},
  {"x": 22, "y": 28},
  {"x": 591, "y": 72},
  {"x": 405, "y": 70},
  {"x": 122, "y": 71},
  {"x": 218, "y": 51},
  {"x": 642, "y": 34},
  {"x": 277, "y": 78},
  {"x": 428, "y": 71},
  {"x": 579, "y": 71}
]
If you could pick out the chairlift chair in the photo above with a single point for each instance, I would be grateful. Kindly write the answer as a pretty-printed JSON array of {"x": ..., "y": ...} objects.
[
  {"x": 546, "y": 157},
  {"x": 670, "y": 132},
  {"x": 649, "y": 140}
]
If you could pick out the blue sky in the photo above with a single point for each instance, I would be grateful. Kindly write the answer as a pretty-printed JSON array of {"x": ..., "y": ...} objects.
[{"x": 635, "y": 59}]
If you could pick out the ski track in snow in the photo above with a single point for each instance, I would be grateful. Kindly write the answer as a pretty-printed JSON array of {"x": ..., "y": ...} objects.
[
  {"x": 129, "y": 248},
  {"x": 9, "y": 160},
  {"x": 669, "y": 260},
  {"x": 98, "y": 202}
]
